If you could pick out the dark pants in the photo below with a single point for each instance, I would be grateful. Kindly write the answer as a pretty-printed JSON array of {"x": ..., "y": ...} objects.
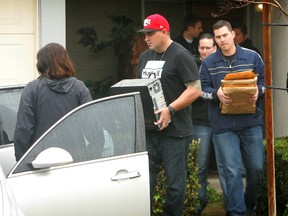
[{"x": 172, "y": 152}]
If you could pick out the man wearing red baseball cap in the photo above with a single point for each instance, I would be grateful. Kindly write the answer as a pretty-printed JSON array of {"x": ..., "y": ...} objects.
[
  {"x": 178, "y": 73},
  {"x": 155, "y": 22}
]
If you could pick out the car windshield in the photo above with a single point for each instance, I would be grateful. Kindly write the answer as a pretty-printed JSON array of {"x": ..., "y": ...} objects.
[{"x": 9, "y": 103}]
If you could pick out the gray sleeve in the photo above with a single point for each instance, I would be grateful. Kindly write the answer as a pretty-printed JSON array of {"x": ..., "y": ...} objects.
[{"x": 84, "y": 94}]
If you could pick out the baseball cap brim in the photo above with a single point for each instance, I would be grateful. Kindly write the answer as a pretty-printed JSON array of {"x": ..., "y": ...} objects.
[{"x": 147, "y": 30}]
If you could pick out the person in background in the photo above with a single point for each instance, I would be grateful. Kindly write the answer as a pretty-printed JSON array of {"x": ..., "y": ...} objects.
[
  {"x": 208, "y": 46},
  {"x": 192, "y": 28},
  {"x": 178, "y": 73},
  {"x": 48, "y": 98},
  {"x": 201, "y": 126},
  {"x": 241, "y": 37},
  {"x": 236, "y": 138}
]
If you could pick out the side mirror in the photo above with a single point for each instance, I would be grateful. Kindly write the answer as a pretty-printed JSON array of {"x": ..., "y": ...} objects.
[{"x": 52, "y": 157}]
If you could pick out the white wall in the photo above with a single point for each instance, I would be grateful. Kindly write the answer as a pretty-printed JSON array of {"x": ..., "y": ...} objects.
[{"x": 52, "y": 22}]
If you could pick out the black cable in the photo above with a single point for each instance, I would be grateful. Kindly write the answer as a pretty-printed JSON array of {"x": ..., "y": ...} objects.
[
  {"x": 274, "y": 24},
  {"x": 287, "y": 83},
  {"x": 277, "y": 88}
]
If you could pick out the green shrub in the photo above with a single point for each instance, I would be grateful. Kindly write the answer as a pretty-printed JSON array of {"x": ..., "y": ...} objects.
[
  {"x": 213, "y": 196},
  {"x": 192, "y": 186},
  {"x": 281, "y": 180},
  {"x": 191, "y": 202}
]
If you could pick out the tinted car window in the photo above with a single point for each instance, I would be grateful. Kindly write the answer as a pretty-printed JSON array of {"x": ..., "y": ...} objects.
[
  {"x": 97, "y": 130},
  {"x": 9, "y": 103}
]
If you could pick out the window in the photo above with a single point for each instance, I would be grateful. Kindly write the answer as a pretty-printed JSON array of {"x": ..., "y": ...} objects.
[{"x": 96, "y": 130}]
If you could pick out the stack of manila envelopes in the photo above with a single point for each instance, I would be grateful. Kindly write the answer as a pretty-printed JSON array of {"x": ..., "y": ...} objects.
[{"x": 240, "y": 91}]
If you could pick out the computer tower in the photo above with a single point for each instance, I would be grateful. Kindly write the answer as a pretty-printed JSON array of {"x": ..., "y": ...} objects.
[{"x": 151, "y": 94}]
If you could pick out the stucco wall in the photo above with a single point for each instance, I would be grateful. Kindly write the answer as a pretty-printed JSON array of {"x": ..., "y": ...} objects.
[
  {"x": 279, "y": 37},
  {"x": 172, "y": 11},
  {"x": 94, "y": 14}
]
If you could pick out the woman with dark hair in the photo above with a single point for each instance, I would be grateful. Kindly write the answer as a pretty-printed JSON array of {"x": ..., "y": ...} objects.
[{"x": 48, "y": 98}]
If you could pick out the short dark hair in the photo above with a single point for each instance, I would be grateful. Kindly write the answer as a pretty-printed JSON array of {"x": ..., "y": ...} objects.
[
  {"x": 54, "y": 62},
  {"x": 208, "y": 36},
  {"x": 190, "y": 20},
  {"x": 241, "y": 26},
  {"x": 221, "y": 23}
]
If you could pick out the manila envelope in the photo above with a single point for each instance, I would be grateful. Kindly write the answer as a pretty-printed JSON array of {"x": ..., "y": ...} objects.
[{"x": 240, "y": 100}]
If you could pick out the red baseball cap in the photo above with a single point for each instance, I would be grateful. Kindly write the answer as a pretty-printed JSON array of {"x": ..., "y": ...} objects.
[{"x": 155, "y": 22}]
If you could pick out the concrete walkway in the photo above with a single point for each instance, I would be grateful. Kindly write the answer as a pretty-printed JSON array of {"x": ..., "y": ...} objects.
[{"x": 214, "y": 209}]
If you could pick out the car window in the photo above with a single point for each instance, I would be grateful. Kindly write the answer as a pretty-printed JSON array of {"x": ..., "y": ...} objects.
[
  {"x": 9, "y": 104},
  {"x": 97, "y": 130}
]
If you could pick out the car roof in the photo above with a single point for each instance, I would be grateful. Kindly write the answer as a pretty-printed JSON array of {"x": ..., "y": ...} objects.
[{"x": 12, "y": 86}]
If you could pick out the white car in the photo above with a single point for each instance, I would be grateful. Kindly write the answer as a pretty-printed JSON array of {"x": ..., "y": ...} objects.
[
  {"x": 8, "y": 204},
  {"x": 93, "y": 161}
]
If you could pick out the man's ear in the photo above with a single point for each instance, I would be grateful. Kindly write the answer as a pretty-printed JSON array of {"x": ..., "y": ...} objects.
[
  {"x": 245, "y": 36},
  {"x": 190, "y": 27},
  {"x": 233, "y": 33}
]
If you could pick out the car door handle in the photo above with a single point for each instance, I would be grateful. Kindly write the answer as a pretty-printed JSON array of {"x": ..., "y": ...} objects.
[{"x": 129, "y": 175}]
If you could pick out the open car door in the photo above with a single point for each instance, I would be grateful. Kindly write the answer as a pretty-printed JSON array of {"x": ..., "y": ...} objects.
[
  {"x": 93, "y": 161},
  {"x": 9, "y": 104}
]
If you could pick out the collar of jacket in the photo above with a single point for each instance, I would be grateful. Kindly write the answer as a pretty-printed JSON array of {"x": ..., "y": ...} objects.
[{"x": 239, "y": 54}]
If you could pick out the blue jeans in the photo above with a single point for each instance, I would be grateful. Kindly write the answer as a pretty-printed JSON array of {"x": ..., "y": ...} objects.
[
  {"x": 204, "y": 133},
  {"x": 172, "y": 152},
  {"x": 231, "y": 148}
]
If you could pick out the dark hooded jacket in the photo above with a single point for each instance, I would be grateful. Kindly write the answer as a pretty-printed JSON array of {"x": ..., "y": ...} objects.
[
  {"x": 43, "y": 102},
  {"x": 192, "y": 47},
  {"x": 249, "y": 45}
]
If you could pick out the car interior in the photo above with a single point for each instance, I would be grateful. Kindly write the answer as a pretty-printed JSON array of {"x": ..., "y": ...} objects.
[
  {"x": 94, "y": 131},
  {"x": 10, "y": 99}
]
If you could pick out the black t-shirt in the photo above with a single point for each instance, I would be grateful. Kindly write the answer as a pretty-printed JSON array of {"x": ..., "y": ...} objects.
[{"x": 174, "y": 67}]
